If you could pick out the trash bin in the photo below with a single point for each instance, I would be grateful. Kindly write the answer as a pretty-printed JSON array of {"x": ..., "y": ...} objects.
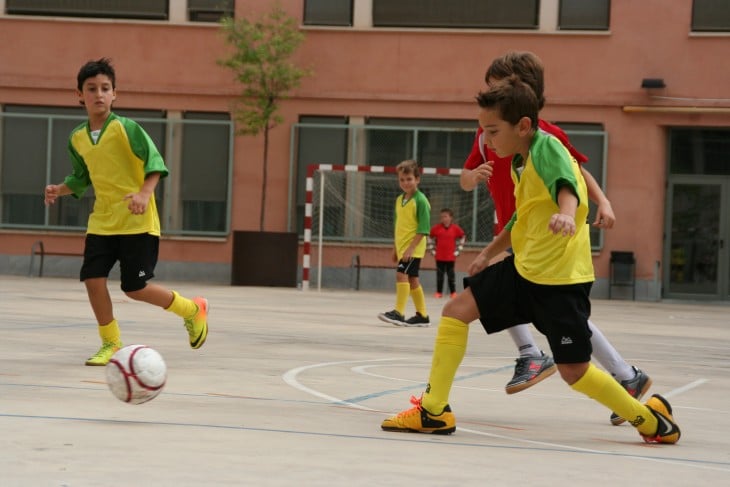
[
  {"x": 623, "y": 272},
  {"x": 264, "y": 259}
]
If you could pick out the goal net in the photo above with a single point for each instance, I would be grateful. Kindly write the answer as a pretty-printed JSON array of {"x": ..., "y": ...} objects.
[{"x": 348, "y": 222}]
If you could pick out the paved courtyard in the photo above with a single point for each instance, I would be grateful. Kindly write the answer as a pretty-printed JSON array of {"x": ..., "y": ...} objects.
[{"x": 291, "y": 387}]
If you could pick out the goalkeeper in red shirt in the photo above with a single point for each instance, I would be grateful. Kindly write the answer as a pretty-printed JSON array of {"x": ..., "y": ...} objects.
[{"x": 446, "y": 241}]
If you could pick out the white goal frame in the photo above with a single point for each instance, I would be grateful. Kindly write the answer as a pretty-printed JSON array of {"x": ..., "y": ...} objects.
[{"x": 312, "y": 169}]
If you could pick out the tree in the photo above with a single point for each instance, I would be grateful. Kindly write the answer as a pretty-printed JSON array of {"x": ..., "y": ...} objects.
[{"x": 260, "y": 60}]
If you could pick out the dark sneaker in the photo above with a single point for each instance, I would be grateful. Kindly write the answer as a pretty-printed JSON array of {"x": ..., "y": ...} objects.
[
  {"x": 417, "y": 320},
  {"x": 418, "y": 420},
  {"x": 393, "y": 317},
  {"x": 636, "y": 387},
  {"x": 667, "y": 429},
  {"x": 529, "y": 371}
]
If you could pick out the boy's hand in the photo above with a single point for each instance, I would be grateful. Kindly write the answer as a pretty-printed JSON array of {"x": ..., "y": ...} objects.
[
  {"x": 482, "y": 172},
  {"x": 51, "y": 193},
  {"x": 478, "y": 264},
  {"x": 561, "y": 223},
  {"x": 604, "y": 216},
  {"x": 137, "y": 202}
]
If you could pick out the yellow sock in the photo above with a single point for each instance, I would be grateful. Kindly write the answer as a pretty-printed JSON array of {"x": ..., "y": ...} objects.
[
  {"x": 183, "y": 307},
  {"x": 419, "y": 300},
  {"x": 402, "y": 290},
  {"x": 109, "y": 333},
  {"x": 601, "y": 387},
  {"x": 448, "y": 352}
]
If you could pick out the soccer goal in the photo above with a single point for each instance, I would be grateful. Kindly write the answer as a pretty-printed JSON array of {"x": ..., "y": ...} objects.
[{"x": 348, "y": 222}]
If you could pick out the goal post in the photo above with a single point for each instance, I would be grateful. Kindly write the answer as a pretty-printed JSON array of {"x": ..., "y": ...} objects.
[{"x": 349, "y": 216}]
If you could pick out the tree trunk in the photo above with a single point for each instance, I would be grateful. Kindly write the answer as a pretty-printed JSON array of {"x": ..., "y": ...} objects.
[{"x": 265, "y": 176}]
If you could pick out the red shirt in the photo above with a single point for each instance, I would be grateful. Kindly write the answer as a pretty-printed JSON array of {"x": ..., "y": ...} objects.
[
  {"x": 446, "y": 238},
  {"x": 500, "y": 184}
]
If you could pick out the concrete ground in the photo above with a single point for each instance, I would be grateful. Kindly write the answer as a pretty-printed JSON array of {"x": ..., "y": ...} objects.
[{"x": 291, "y": 387}]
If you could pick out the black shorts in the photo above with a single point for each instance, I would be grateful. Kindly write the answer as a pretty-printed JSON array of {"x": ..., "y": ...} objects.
[
  {"x": 137, "y": 256},
  {"x": 505, "y": 299},
  {"x": 409, "y": 267}
]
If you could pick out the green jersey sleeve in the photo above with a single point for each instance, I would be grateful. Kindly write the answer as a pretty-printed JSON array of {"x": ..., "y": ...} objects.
[{"x": 144, "y": 148}]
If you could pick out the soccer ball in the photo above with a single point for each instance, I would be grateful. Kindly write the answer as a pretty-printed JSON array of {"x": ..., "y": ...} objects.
[{"x": 136, "y": 374}]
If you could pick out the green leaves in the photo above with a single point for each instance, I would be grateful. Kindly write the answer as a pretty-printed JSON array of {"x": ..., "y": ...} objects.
[{"x": 260, "y": 61}]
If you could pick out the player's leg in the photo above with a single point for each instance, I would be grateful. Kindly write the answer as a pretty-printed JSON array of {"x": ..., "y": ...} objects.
[
  {"x": 431, "y": 413},
  {"x": 418, "y": 296},
  {"x": 653, "y": 420},
  {"x": 488, "y": 292},
  {"x": 532, "y": 366},
  {"x": 137, "y": 261},
  {"x": 451, "y": 275},
  {"x": 402, "y": 291},
  {"x": 99, "y": 258},
  {"x": 634, "y": 380},
  {"x": 439, "y": 279},
  {"x": 561, "y": 312}
]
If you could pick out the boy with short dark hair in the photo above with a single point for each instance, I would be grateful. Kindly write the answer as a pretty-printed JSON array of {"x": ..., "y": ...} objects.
[
  {"x": 533, "y": 365},
  {"x": 117, "y": 157},
  {"x": 547, "y": 281},
  {"x": 411, "y": 227}
]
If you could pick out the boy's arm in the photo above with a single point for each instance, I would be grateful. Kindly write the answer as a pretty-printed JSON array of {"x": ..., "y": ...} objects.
[
  {"x": 564, "y": 222},
  {"x": 53, "y": 191},
  {"x": 138, "y": 201},
  {"x": 501, "y": 243},
  {"x": 412, "y": 246},
  {"x": 604, "y": 215},
  {"x": 475, "y": 170}
]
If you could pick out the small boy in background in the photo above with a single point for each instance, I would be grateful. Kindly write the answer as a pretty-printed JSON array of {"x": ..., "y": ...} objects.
[
  {"x": 411, "y": 228},
  {"x": 446, "y": 241}
]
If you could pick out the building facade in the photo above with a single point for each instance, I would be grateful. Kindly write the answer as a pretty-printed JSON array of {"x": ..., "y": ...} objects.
[{"x": 645, "y": 95}]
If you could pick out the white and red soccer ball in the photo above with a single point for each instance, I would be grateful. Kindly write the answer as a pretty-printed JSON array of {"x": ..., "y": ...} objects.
[{"x": 136, "y": 374}]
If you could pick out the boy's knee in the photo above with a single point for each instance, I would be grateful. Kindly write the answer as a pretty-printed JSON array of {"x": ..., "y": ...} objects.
[
  {"x": 136, "y": 294},
  {"x": 572, "y": 373}
]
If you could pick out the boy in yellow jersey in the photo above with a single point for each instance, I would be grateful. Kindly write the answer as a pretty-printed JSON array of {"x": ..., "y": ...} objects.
[
  {"x": 118, "y": 157},
  {"x": 547, "y": 281},
  {"x": 412, "y": 226}
]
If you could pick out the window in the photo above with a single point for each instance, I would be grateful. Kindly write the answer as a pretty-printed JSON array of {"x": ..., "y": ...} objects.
[
  {"x": 483, "y": 14},
  {"x": 328, "y": 12},
  {"x": 122, "y": 9},
  {"x": 591, "y": 140},
  {"x": 194, "y": 199},
  {"x": 710, "y": 16},
  {"x": 320, "y": 140},
  {"x": 204, "y": 178},
  {"x": 209, "y": 10},
  {"x": 584, "y": 14},
  {"x": 423, "y": 140},
  {"x": 700, "y": 151}
]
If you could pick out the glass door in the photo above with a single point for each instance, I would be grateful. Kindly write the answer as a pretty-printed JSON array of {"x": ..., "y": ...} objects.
[{"x": 695, "y": 253}]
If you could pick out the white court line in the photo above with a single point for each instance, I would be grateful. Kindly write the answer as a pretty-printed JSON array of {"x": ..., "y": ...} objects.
[
  {"x": 680, "y": 390},
  {"x": 290, "y": 377}
]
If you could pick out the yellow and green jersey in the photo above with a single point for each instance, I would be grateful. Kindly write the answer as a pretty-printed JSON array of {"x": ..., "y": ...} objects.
[
  {"x": 116, "y": 165},
  {"x": 540, "y": 256},
  {"x": 412, "y": 216}
]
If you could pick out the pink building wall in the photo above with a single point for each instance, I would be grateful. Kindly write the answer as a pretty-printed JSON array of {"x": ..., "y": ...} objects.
[{"x": 397, "y": 73}]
